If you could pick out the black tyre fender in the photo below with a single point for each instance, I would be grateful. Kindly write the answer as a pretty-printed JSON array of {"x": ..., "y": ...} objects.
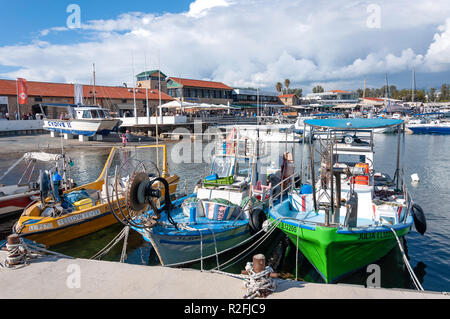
[
  {"x": 256, "y": 220},
  {"x": 420, "y": 221}
]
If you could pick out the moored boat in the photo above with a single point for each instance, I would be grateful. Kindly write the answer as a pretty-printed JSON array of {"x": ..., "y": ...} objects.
[
  {"x": 82, "y": 120},
  {"x": 14, "y": 197},
  {"x": 352, "y": 215},
  {"x": 62, "y": 216},
  {"x": 225, "y": 210}
]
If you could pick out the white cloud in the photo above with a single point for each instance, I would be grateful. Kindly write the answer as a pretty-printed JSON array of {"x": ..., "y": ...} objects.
[{"x": 247, "y": 43}]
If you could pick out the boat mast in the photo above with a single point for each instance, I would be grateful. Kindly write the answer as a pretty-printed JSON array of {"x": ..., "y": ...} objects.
[
  {"x": 413, "y": 87},
  {"x": 95, "y": 98},
  {"x": 134, "y": 92}
]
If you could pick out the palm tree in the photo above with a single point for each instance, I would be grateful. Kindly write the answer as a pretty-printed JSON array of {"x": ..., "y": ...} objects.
[
  {"x": 286, "y": 84},
  {"x": 279, "y": 87}
]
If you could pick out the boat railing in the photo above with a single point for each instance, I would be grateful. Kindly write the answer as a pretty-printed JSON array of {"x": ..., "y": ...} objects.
[{"x": 286, "y": 185}]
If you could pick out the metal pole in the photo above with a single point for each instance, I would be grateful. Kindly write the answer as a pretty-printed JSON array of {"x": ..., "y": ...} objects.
[
  {"x": 313, "y": 175},
  {"x": 397, "y": 171}
]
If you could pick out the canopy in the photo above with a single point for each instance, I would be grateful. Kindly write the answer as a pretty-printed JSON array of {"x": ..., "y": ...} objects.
[{"x": 353, "y": 123}]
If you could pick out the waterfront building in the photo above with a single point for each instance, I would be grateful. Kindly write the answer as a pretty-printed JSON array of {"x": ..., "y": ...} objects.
[
  {"x": 333, "y": 97},
  {"x": 151, "y": 80},
  {"x": 290, "y": 99},
  {"x": 198, "y": 91},
  {"x": 118, "y": 99}
]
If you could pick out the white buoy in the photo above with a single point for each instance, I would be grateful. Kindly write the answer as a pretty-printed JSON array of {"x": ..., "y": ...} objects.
[{"x": 415, "y": 178}]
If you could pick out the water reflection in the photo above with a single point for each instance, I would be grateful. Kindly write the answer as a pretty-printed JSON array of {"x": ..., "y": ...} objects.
[{"x": 429, "y": 255}]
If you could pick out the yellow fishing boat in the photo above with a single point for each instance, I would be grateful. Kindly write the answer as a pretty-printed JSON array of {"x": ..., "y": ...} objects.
[{"x": 56, "y": 220}]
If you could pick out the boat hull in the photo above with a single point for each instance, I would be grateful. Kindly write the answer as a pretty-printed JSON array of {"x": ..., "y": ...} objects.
[
  {"x": 429, "y": 129},
  {"x": 9, "y": 206},
  {"x": 81, "y": 127},
  {"x": 52, "y": 231},
  {"x": 335, "y": 253},
  {"x": 184, "y": 249}
]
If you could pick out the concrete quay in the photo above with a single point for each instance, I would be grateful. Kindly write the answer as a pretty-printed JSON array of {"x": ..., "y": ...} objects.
[{"x": 52, "y": 277}]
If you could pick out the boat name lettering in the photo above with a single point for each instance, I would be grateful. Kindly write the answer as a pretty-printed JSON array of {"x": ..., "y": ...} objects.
[
  {"x": 377, "y": 235},
  {"x": 40, "y": 227},
  {"x": 59, "y": 124},
  {"x": 289, "y": 228},
  {"x": 78, "y": 217}
]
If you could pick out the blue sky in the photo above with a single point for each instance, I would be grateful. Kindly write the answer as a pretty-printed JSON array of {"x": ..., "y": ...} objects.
[
  {"x": 24, "y": 19},
  {"x": 243, "y": 43}
]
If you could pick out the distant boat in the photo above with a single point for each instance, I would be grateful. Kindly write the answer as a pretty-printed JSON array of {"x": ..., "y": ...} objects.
[
  {"x": 432, "y": 127},
  {"x": 82, "y": 120}
]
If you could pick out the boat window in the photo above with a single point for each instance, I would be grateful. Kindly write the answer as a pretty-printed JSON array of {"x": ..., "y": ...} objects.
[
  {"x": 101, "y": 114},
  {"x": 94, "y": 114},
  {"x": 349, "y": 159},
  {"x": 87, "y": 115},
  {"x": 243, "y": 169},
  {"x": 107, "y": 115},
  {"x": 222, "y": 166}
]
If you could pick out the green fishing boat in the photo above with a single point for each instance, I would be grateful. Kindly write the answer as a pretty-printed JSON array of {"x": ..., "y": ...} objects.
[{"x": 349, "y": 215}]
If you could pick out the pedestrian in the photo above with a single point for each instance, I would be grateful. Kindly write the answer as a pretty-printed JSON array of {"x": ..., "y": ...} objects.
[{"x": 124, "y": 140}]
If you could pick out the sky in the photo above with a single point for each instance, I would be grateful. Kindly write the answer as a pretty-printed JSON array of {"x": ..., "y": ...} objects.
[{"x": 243, "y": 43}]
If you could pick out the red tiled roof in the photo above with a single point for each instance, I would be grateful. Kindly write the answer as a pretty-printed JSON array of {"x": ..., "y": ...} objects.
[
  {"x": 286, "y": 96},
  {"x": 339, "y": 91},
  {"x": 8, "y": 87},
  {"x": 373, "y": 99},
  {"x": 201, "y": 83}
]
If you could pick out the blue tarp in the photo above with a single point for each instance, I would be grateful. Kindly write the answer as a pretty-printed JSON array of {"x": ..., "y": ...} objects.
[{"x": 353, "y": 123}]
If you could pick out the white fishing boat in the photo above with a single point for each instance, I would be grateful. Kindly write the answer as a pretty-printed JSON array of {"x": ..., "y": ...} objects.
[
  {"x": 272, "y": 133},
  {"x": 82, "y": 120}
]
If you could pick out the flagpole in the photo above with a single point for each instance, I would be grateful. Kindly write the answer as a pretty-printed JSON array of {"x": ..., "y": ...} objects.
[{"x": 18, "y": 104}]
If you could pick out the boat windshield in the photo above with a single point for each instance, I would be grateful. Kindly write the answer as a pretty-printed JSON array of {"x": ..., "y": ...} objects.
[
  {"x": 349, "y": 159},
  {"x": 96, "y": 114}
]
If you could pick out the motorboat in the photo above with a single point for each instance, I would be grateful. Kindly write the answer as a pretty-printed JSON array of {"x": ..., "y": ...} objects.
[{"x": 82, "y": 120}]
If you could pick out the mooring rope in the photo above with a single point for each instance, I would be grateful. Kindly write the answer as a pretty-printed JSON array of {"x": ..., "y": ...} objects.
[
  {"x": 413, "y": 276},
  {"x": 123, "y": 233},
  {"x": 257, "y": 284},
  {"x": 20, "y": 254}
]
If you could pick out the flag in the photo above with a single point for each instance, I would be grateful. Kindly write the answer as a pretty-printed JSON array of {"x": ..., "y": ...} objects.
[
  {"x": 78, "y": 94},
  {"x": 22, "y": 91}
]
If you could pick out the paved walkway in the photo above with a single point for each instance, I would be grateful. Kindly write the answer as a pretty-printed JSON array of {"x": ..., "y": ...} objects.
[{"x": 60, "y": 278}]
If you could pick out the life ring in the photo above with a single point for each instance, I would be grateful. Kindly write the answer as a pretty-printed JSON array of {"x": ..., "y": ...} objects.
[
  {"x": 420, "y": 221},
  {"x": 256, "y": 220}
]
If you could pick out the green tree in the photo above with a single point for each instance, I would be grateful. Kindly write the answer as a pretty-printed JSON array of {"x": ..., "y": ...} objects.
[
  {"x": 318, "y": 89},
  {"x": 287, "y": 83},
  {"x": 279, "y": 87},
  {"x": 444, "y": 92}
]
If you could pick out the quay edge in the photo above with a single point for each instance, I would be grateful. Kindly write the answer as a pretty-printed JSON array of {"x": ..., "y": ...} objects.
[{"x": 50, "y": 278}]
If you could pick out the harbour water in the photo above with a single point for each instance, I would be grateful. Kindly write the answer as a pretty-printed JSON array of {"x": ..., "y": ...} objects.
[{"x": 429, "y": 255}]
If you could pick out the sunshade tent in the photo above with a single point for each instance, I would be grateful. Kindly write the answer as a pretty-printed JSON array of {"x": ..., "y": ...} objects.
[{"x": 353, "y": 123}]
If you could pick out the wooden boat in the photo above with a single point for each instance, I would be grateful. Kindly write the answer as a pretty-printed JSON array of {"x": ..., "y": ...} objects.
[
  {"x": 81, "y": 211},
  {"x": 353, "y": 215},
  {"x": 227, "y": 208}
]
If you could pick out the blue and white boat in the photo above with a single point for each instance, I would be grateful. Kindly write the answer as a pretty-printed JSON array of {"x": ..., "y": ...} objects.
[
  {"x": 429, "y": 126},
  {"x": 225, "y": 210},
  {"x": 82, "y": 120}
]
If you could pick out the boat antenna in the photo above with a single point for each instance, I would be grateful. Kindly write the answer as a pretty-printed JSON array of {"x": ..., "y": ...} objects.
[
  {"x": 134, "y": 90},
  {"x": 95, "y": 97}
]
